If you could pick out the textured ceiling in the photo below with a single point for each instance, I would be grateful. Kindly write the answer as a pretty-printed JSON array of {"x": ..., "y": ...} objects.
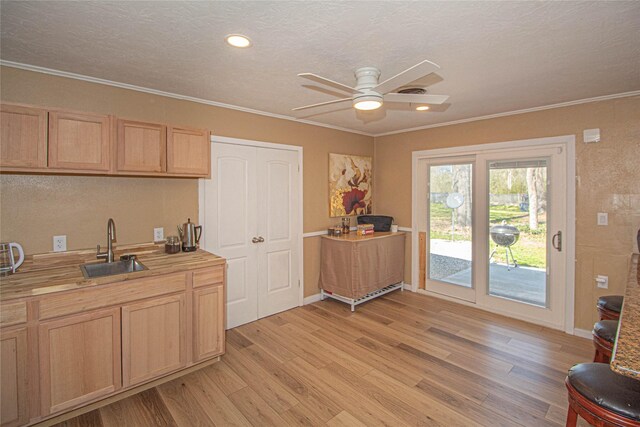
[{"x": 495, "y": 56}]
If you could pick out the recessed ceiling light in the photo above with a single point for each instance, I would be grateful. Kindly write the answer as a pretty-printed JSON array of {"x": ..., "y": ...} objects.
[
  {"x": 368, "y": 102},
  {"x": 422, "y": 107},
  {"x": 238, "y": 40}
]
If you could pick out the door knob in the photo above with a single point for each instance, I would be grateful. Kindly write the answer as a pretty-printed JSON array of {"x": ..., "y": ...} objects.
[
  {"x": 255, "y": 240},
  {"x": 261, "y": 239}
]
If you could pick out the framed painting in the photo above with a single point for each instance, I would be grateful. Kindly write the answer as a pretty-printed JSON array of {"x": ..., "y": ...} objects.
[{"x": 349, "y": 185}]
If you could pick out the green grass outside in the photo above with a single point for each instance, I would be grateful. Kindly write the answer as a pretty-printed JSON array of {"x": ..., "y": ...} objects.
[{"x": 530, "y": 250}]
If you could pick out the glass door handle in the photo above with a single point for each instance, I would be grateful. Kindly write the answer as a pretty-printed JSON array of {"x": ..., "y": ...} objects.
[{"x": 556, "y": 241}]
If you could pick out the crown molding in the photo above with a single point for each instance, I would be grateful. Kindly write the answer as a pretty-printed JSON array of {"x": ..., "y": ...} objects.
[
  {"x": 513, "y": 113},
  {"x": 97, "y": 80}
]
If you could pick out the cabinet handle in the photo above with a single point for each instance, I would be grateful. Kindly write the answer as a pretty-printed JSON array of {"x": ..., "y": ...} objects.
[{"x": 255, "y": 240}]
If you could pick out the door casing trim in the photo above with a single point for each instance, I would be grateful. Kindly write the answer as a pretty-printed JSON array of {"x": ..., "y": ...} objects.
[
  {"x": 264, "y": 144},
  {"x": 568, "y": 142}
]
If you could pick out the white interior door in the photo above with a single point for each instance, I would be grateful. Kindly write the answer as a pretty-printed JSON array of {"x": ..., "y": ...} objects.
[
  {"x": 278, "y": 198},
  {"x": 231, "y": 224},
  {"x": 252, "y": 218}
]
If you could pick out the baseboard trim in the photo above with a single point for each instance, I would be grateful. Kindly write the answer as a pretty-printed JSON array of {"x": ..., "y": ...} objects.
[
  {"x": 311, "y": 299},
  {"x": 582, "y": 333}
]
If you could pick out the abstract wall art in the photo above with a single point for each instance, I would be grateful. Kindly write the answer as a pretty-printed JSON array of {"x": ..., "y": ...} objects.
[{"x": 349, "y": 185}]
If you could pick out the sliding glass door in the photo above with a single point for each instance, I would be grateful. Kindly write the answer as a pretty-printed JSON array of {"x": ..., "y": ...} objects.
[{"x": 494, "y": 222}]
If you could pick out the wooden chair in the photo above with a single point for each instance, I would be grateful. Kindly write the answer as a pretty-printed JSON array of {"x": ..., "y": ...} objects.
[
  {"x": 609, "y": 307},
  {"x": 602, "y": 397},
  {"x": 604, "y": 336}
]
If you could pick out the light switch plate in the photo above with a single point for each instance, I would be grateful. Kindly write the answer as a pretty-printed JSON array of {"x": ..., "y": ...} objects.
[
  {"x": 158, "y": 234},
  {"x": 603, "y": 218},
  {"x": 59, "y": 243},
  {"x": 602, "y": 281},
  {"x": 591, "y": 135}
]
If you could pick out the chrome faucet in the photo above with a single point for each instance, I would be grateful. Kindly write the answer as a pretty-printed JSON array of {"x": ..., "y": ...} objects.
[{"x": 111, "y": 237}]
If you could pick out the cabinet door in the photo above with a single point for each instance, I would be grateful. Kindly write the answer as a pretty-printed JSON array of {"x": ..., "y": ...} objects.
[
  {"x": 13, "y": 377},
  {"x": 23, "y": 142},
  {"x": 79, "y": 359},
  {"x": 153, "y": 338},
  {"x": 142, "y": 147},
  {"x": 208, "y": 322},
  {"x": 188, "y": 152},
  {"x": 79, "y": 141}
]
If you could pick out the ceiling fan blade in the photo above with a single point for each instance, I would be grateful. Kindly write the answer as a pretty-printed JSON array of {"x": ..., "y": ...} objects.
[
  {"x": 325, "y": 81},
  {"x": 321, "y": 104},
  {"x": 415, "y": 99},
  {"x": 407, "y": 76}
]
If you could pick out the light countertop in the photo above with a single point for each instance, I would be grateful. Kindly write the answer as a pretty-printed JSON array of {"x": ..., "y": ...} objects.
[{"x": 56, "y": 272}]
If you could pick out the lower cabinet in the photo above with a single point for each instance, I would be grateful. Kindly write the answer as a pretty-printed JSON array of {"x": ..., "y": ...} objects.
[
  {"x": 13, "y": 377},
  {"x": 79, "y": 359},
  {"x": 152, "y": 327},
  {"x": 208, "y": 322},
  {"x": 153, "y": 338}
]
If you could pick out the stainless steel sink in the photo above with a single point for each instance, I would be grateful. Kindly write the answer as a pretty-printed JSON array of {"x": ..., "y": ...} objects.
[{"x": 101, "y": 269}]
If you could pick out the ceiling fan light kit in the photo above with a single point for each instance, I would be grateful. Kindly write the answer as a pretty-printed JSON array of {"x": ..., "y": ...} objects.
[
  {"x": 371, "y": 101},
  {"x": 369, "y": 94}
]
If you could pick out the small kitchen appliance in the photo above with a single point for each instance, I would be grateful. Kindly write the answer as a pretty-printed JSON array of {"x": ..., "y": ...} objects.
[
  {"x": 190, "y": 235},
  {"x": 8, "y": 263}
]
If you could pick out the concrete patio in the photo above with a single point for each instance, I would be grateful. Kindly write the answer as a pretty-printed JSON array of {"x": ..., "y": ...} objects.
[{"x": 451, "y": 262}]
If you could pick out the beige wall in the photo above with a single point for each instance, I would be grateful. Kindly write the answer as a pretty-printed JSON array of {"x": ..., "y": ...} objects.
[
  {"x": 35, "y": 208},
  {"x": 609, "y": 181}
]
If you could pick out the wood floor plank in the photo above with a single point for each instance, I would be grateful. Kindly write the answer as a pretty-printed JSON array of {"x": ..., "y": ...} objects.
[
  {"x": 224, "y": 377},
  {"x": 90, "y": 419},
  {"x": 214, "y": 402},
  {"x": 255, "y": 409},
  {"x": 359, "y": 405},
  {"x": 433, "y": 409},
  {"x": 345, "y": 419},
  {"x": 145, "y": 408},
  {"x": 311, "y": 400},
  {"x": 402, "y": 359},
  {"x": 269, "y": 390},
  {"x": 184, "y": 408}
]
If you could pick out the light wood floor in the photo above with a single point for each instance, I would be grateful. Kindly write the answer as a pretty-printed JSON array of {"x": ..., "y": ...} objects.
[{"x": 403, "y": 359}]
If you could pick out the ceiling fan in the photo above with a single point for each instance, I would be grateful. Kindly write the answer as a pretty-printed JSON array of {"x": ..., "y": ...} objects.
[{"x": 368, "y": 94}]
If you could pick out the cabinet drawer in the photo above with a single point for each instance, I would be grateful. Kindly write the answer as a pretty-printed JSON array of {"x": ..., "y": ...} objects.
[
  {"x": 209, "y": 276},
  {"x": 111, "y": 294},
  {"x": 13, "y": 313}
]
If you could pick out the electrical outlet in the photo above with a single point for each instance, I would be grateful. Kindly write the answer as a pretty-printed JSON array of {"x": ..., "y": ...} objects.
[
  {"x": 602, "y": 281},
  {"x": 59, "y": 243},
  {"x": 158, "y": 234},
  {"x": 603, "y": 218}
]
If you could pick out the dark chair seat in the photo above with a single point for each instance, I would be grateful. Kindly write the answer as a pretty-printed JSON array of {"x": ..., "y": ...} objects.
[
  {"x": 614, "y": 392},
  {"x": 611, "y": 302},
  {"x": 606, "y": 329}
]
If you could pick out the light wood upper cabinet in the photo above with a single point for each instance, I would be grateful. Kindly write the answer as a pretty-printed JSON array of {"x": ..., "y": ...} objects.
[
  {"x": 80, "y": 359},
  {"x": 13, "y": 378},
  {"x": 188, "y": 151},
  {"x": 23, "y": 142},
  {"x": 208, "y": 322},
  {"x": 153, "y": 338},
  {"x": 141, "y": 147},
  {"x": 79, "y": 141}
]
